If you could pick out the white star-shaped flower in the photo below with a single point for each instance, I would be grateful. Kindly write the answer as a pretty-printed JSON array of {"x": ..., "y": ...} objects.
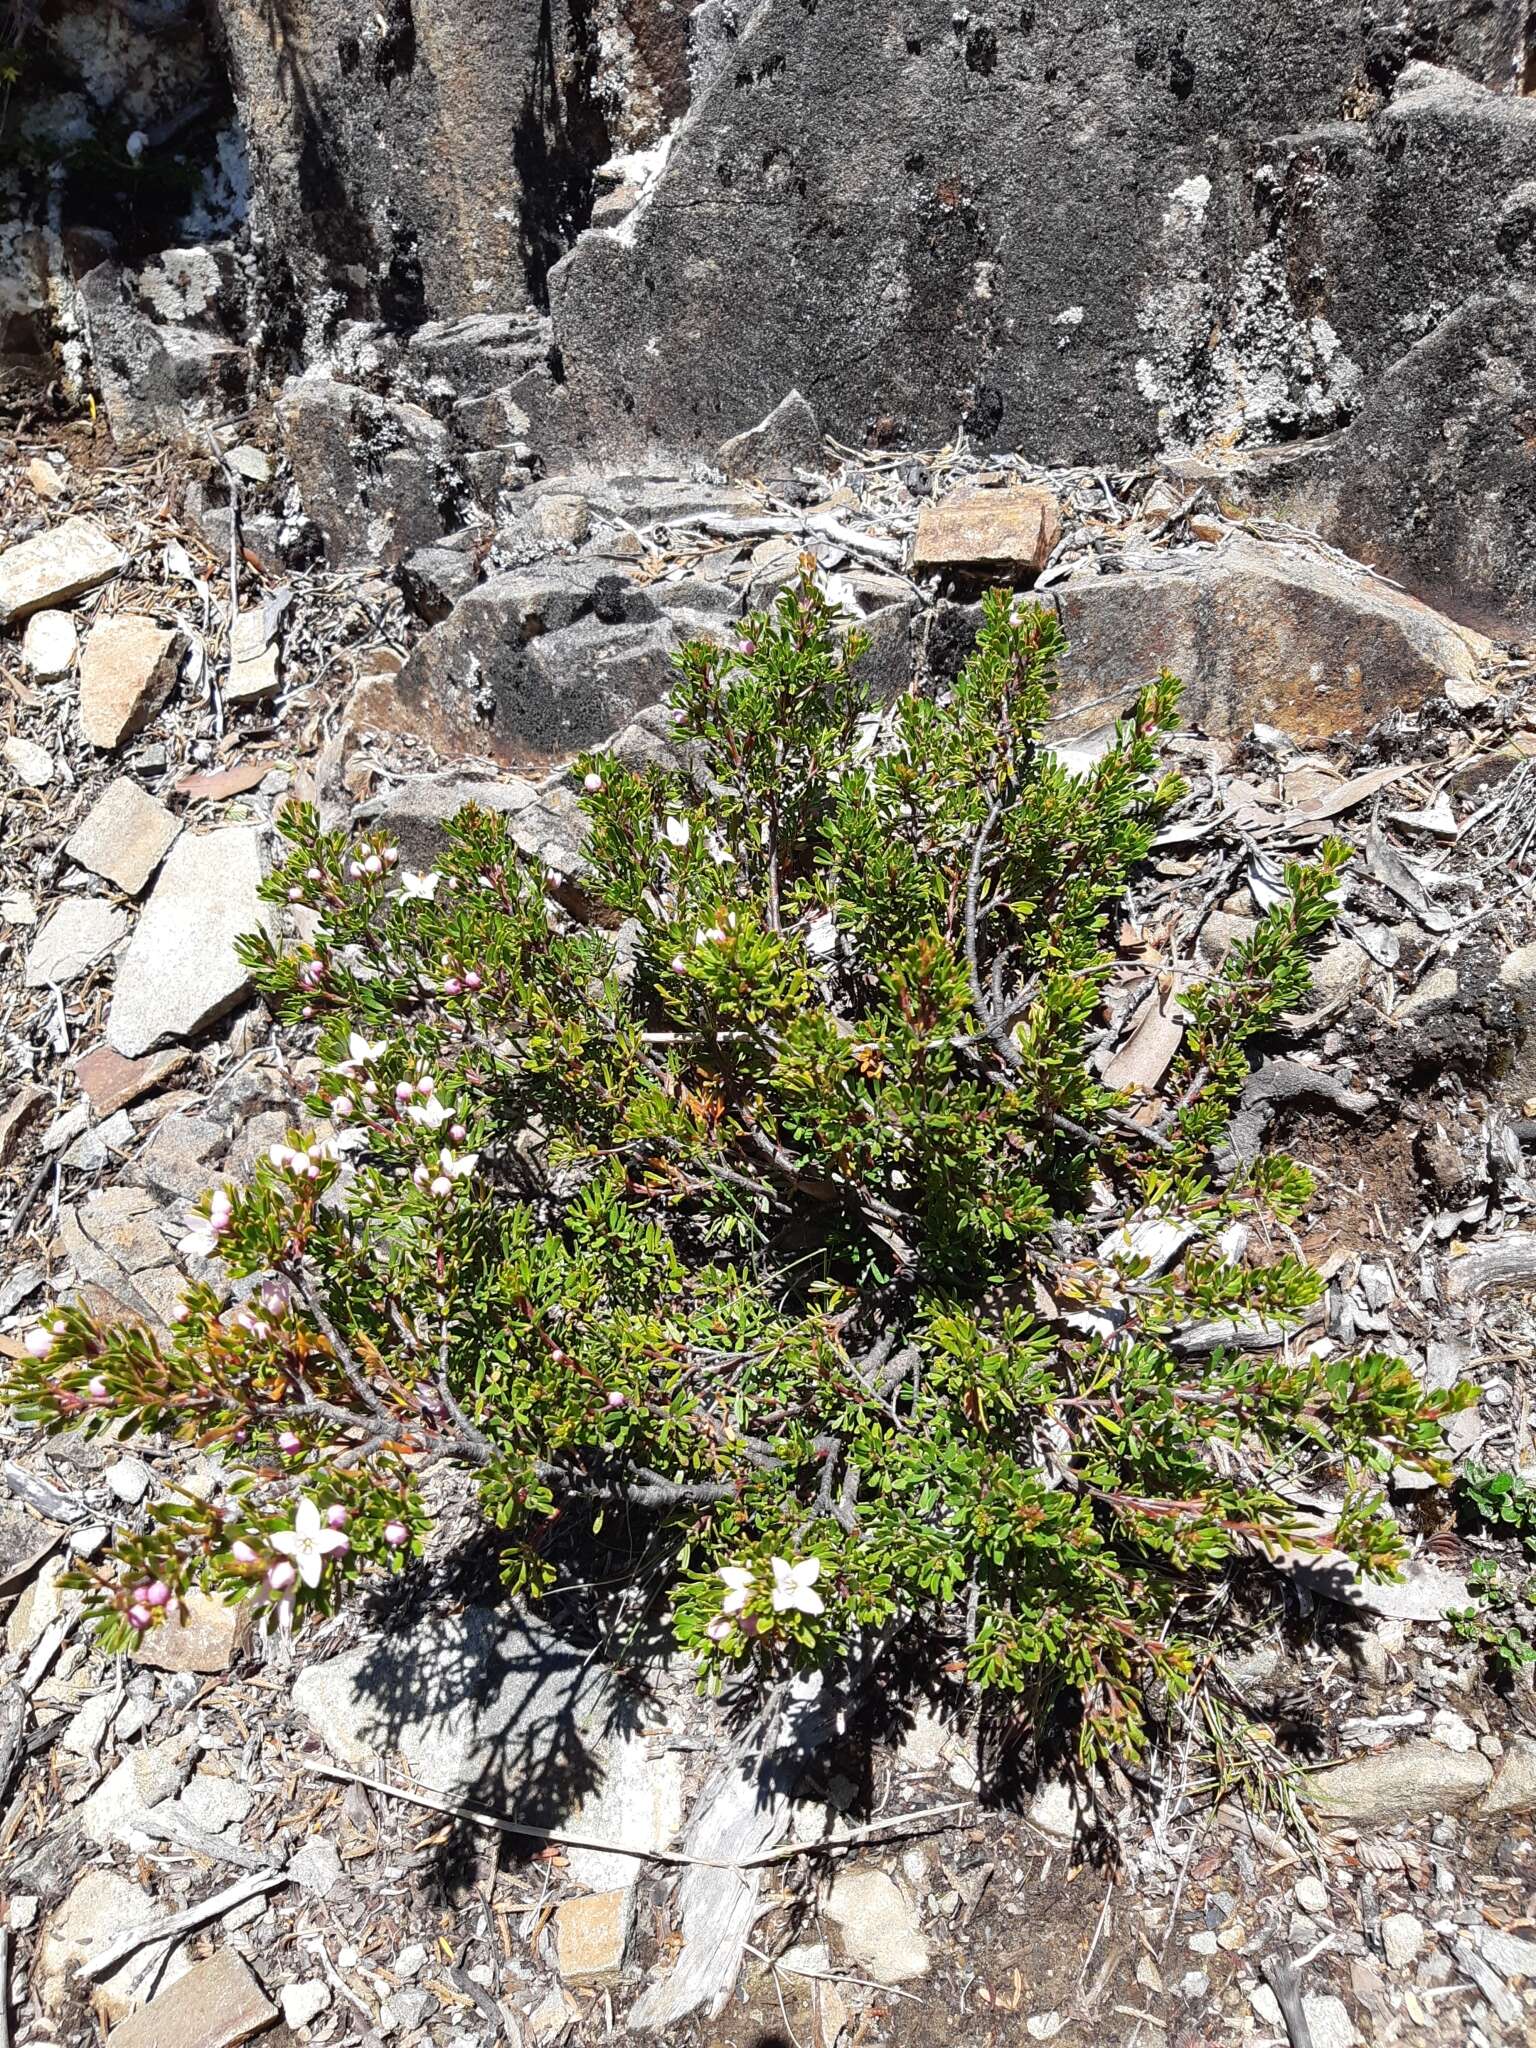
[
  {"x": 422, "y": 887},
  {"x": 457, "y": 1165},
  {"x": 739, "y": 1582},
  {"x": 794, "y": 1586},
  {"x": 309, "y": 1542},
  {"x": 359, "y": 1053},
  {"x": 434, "y": 1112},
  {"x": 678, "y": 832}
]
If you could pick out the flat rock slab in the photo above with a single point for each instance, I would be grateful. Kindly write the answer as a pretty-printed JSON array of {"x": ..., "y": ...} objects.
[
  {"x": 879, "y": 1928},
  {"x": 29, "y": 762},
  {"x": 124, "y": 836},
  {"x": 217, "y": 2004},
  {"x": 787, "y": 440},
  {"x": 200, "y": 1638},
  {"x": 590, "y": 1936},
  {"x": 482, "y": 1705},
  {"x": 974, "y": 533},
  {"x": 73, "y": 939},
  {"x": 1259, "y": 634},
  {"x": 1401, "y": 1783},
  {"x": 111, "y": 1082},
  {"x": 56, "y": 566},
  {"x": 181, "y": 970},
  {"x": 128, "y": 668}
]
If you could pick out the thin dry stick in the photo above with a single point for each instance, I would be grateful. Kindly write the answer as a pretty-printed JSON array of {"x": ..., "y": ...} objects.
[
  {"x": 671, "y": 1856},
  {"x": 182, "y": 1923}
]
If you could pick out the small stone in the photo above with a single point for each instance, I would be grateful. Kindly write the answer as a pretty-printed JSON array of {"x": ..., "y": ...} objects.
[
  {"x": 1044, "y": 2026},
  {"x": 590, "y": 1935},
  {"x": 214, "y": 1804},
  {"x": 789, "y": 439},
  {"x": 1311, "y": 1894},
  {"x": 564, "y": 518},
  {"x": 217, "y": 2004},
  {"x": 204, "y": 1642},
  {"x": 254, "y": 464},
  {"x": 73, "y": 939},
  {"x": 111, "y": 1082},
  {"x": 21, "y": 1913},
  {"x": 1266, "y": 2006},
  {"x": 880, "y": 1930},
  {"x": 181, "y": 970},
  {"x": 29, "y": 762},
  {"x": 125, "y": 835},
  {"x": 1400, "y": 1783},
  {"x": 1401, "y": 1939},
  {"x": 316, "y": 1867},
  {"x": 41, "y": 1603},
  {"x": 404, "y": 2011},
  {"x": 56, "y": 566},
  {"x": 302, "y": 2003},
  {"x": 1204, "y": 1943},
  {"x": 1061, "y": 1808},
  {"x": 1452, "y": 1732},
  {"x": 552, "y": 2016},
  {"x": 128, "y": 668},
  {"x": 48, "y": 645},
  {"x": 117, "y": 1810},
  {"x": 1329, "y": 2021},
  {"x": 45, "y": 480},
  {"x": 411, "y": 1960},
  {"x": 974, "y": 533},
  {"x": 129, "y": 1479},
  {"x": 252, "y": 662}
]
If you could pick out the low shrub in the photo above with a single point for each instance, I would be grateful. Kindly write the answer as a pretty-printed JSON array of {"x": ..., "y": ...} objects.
[{"x": 759, "y": 1201}]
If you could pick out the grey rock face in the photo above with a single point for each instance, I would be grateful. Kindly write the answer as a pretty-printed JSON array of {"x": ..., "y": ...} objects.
[
  {"x": 371, "y": 472},
  {"x": 534, "y": 664},
  {"x": 424, "y": 163},
  {"x": 1086, "y": 237}
]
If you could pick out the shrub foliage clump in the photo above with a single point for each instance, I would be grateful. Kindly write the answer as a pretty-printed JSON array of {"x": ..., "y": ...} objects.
[{"x": 758, "y": 1198}]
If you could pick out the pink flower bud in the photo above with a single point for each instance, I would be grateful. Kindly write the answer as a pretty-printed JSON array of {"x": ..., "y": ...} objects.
[
  {"x": 442, "y": 1185},
  {"x": 287, "y": 1441},
  {"x": 281, "y": 1575},
  {"x": 336, "y": 1517},
  {"x": 180, "y": 1312},
  {"x": 391, "y": 855},
  {"x": 355, "y": 870},
  {"x": 453, "y": 986},
  {"x": 96, "y": 1388},
  {"x": 312, "y": 875},
  {"x": 295, "y": 894},
  {"x": 718, "y": 1629},
  {"x": 471, "y": 980},
  {"x": 370, "y": 1086},
  {"x": 421, "y": 1176},
  {"x": 157, "y": 1594},
  {"x": 458, "y": 1133},
  {"x": 403, "y": 1091},
  {"x": 373, "y": 865},
  {"x": 592, "y": 782},
  {"x": 342, "y": 1105},
  {"x": 40, "y": 1342},
  {"x": 615, "y": 1398},
  {"x": 307, "y": 1013},
  {"x": 396, "y": 1534},
  {"x": 242, "y": 1552},
  {"x": 140, "y": 1616}
]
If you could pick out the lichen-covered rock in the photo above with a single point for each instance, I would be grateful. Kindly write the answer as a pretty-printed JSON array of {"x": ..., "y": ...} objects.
[{"x": 372, "y": 472}]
